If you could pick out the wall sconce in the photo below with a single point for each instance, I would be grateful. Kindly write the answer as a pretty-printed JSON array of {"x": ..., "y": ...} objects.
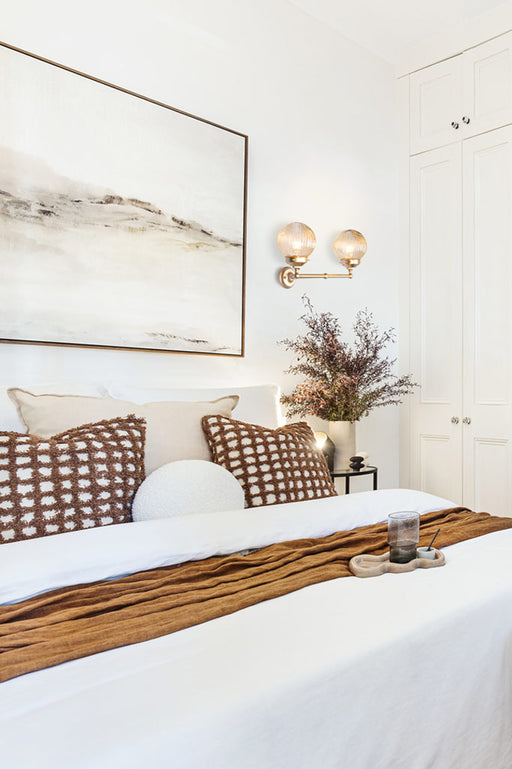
[{"x": 297, "y": 241}]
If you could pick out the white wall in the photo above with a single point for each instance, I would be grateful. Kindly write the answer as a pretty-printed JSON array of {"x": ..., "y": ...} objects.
[{"x": 320, "y": 113}]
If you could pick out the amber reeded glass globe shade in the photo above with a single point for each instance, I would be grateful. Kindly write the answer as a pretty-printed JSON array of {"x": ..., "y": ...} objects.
[
  {"x": 296, "y": 241},
  {"x": 350, "y": 247}
]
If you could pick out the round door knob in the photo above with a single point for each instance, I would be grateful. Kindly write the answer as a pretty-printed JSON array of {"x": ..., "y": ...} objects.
[
  {"x": 455, "y": 420},
  {"x": 455, "y": 124},
  {"x": 466, "y": 120},
  {"x": 467, "y": 420}
]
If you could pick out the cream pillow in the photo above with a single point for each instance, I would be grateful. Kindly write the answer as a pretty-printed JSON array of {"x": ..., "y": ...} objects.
[
  {"x": 10, "y": 419},
  {"x": 173, "y": 429}
]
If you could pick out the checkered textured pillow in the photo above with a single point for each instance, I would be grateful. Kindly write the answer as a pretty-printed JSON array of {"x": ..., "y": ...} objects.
[
  {"x": 272, "y": 466},
  {"x": 82, "y": 478}
]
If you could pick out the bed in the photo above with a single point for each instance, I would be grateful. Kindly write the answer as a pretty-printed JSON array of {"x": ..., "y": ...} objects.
[{"x": 411, "y": 670}]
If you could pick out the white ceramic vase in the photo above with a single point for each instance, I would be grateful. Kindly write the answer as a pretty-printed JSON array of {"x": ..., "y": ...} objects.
[{"x": 343, "y": 435}]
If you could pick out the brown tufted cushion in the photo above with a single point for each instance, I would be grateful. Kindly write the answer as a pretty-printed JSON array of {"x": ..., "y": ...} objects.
[
  {"x": 82, "y": 478},
  {"x": 272, "y": 466}
]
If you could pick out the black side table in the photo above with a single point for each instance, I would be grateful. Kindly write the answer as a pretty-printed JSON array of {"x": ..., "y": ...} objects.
[{"x": 348, "y": 474}]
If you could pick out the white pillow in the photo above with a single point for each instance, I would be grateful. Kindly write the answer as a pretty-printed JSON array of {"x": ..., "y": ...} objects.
[
  {"x": 258, "y": 404},
  {"x": 184, "y": 487}
]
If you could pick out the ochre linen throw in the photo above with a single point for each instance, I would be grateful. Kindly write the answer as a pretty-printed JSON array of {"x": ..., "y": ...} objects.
[{"x": 77, "y": 621}]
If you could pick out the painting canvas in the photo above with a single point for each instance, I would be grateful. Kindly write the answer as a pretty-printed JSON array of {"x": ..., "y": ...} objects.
[{"x": 122, "y": 220}]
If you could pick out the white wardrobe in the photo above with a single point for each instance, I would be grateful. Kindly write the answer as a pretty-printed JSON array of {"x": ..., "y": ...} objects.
[{"x": 460, "y": 252}]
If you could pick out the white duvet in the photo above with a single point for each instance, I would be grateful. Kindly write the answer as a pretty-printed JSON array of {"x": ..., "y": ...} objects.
[{"x": 409, "y": 671}]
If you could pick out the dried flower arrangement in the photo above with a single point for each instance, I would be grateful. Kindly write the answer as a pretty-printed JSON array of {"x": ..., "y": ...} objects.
[{"x": 342, "y": 381}]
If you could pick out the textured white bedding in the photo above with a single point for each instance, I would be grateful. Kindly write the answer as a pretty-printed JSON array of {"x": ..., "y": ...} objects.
[
  {"x": 33, "y": 566},
  {"x": 409, "y": 671}
]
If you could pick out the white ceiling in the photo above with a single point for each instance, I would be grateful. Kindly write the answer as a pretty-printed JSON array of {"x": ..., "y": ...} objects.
[{"x": 387, "y": 27}]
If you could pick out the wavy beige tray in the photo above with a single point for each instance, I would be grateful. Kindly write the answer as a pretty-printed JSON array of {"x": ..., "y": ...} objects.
[{"x": 374, "y": 565}]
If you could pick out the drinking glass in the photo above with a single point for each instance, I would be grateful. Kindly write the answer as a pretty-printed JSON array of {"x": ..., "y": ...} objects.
[{"x": 403, "y": 535}]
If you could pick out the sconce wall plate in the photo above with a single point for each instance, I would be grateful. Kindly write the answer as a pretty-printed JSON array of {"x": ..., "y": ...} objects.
[
  {"x": 297, "y": 241},
  {"x": 287, "y": 277}
]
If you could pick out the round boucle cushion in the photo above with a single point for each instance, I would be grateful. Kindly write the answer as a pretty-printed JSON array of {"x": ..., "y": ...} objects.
[{"x": 187, "y": 486}]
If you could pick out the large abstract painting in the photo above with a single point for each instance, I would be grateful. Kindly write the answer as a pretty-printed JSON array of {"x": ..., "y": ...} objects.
[{"x": 122, "y": 220}]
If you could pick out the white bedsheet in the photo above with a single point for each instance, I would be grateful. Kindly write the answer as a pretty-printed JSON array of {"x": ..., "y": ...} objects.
[
  {"x": 33, "y": 566},
  {"x": 409, "y": 671}
]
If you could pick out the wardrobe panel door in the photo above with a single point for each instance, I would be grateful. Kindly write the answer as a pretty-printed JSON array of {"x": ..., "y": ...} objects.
[
  {"x": 487, "y": 86},
  {"x": 487, "y": 271},
  {"x": 435, "y": 322},
  {"x": 436, "y": 103}
]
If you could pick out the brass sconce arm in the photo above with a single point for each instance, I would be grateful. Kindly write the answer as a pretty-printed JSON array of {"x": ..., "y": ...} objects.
[
  {"x": 288, "y": 275},
  {"x": 297, "y": 241}
]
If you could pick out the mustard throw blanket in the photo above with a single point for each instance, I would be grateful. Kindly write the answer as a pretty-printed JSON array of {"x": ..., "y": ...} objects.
[{"x": 77, "y": 621}]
